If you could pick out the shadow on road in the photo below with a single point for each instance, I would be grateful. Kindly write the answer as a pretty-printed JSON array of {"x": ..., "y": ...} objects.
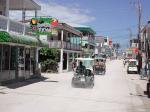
[
  {"x": 50, "y": 81},
  {"x": 19, "y": 84}
]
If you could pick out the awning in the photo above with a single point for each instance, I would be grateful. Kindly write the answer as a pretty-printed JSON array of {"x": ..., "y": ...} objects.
[
  {"x": 22, "y": 5},
  {"x": 86, "y": 29},
  {"x": 20, "y": 39}
]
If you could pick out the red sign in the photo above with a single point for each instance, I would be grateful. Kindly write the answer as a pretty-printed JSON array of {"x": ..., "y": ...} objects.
[
  {"x": 110, "y": 42},
  {"x": 135, "y": 50}
]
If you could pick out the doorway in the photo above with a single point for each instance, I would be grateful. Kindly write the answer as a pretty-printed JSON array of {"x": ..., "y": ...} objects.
[
  {"x": 64, "y": 61},
  {"x": 27, "y": 63},
  {"x": 21, "y": 62}
]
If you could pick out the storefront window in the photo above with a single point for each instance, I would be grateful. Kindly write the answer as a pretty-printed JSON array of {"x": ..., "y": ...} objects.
[
  {"x": 70, "y": 61},
  {"x": 0, "y": 57},
  {"x": 6, "y": 63},
  {"x": 33, "y": 61},
  {"x": 21, "y": 62},
  {"x": 27, "y": 62},
  {"x": 13, "y": 62}
]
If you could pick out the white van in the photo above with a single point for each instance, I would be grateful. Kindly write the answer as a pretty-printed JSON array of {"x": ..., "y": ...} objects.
[{"x": 132, "y": 66}]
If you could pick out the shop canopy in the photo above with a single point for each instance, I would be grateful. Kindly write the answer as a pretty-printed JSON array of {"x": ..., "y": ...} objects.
[
  {"x": 82, "y": 28},
  {"x": 20, "y": 39},
  {"x": 22, "y": 5}
]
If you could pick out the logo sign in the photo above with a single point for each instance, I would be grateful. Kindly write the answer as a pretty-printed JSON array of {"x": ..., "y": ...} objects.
[
  {"x": 136, "y": 50},
  {"x": 43, "y": 25}
]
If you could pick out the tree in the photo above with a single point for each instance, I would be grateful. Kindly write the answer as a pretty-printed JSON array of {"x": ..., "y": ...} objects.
[{"x": 49, "y": 58}]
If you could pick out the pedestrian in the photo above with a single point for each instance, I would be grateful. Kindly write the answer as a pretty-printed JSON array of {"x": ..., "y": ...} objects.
[
  {"x": 148, "y": 69},
  {"x": 74, "y": 65},
  {"x": 124, "y": 62}
]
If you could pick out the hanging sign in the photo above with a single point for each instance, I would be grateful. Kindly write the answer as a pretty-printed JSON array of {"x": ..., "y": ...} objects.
[{"x": 44, "y": 25}]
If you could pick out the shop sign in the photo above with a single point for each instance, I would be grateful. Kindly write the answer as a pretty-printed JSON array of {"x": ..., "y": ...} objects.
[
  {"x": 136, "y": 51},
  {"x": 44, "y": 25}
]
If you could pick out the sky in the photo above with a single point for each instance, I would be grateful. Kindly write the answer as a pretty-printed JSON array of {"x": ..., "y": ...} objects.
[{"x": 113, "y": 18}]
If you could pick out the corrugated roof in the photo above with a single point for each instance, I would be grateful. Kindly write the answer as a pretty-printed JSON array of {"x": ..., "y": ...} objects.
[{"x": 21, "y": 5}]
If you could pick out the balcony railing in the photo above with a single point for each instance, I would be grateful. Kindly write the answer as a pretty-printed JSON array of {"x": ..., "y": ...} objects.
[
  {"x": 66, "y": 45},
  {"x": 19, "y": 28},
  {"x": 90, "y": 40},
  {"x": 13, "y": 26}
]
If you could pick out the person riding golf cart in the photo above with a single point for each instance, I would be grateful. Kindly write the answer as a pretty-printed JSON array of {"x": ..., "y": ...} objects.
[
  {"x": 84, "y": 76},
  {"x": 80, "y": 68},
  {"x": 99, "y": 66}
]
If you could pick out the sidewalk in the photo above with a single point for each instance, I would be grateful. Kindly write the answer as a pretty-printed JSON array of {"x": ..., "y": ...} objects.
[{"x": 136, "y": 79}]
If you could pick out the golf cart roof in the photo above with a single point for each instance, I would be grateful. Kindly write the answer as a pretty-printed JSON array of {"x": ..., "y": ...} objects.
[
  {"x": 84, "y": 59},
  {"x": 132, "y": 60},
  {"x": 99, "y": 58}
]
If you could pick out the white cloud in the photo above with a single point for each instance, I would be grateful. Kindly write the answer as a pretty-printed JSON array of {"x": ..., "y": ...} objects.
[{"x": 71, "y": 14}]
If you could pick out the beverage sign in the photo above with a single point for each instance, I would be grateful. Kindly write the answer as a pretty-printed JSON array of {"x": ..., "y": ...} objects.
[{"x": 43, "y": 25}]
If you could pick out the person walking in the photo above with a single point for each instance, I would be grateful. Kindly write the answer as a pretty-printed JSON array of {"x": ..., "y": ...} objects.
[{"x": 74, "y": 64}]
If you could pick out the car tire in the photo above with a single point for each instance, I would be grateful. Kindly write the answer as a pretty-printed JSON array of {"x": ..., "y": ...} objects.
[{"x": 148, "y": 90}]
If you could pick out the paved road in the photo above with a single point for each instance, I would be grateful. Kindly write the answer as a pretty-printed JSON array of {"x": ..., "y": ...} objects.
[{"x": 113, "y": 92}]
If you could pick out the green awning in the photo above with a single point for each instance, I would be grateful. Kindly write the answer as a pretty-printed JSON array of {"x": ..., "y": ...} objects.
[
  {"x": 20, "y": 39},
  {"x": 85, "y": 29}
]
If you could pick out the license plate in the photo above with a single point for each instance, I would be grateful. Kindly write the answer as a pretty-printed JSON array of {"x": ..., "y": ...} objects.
[
  {"x": 133, "y": 69},
  {"x": 82, "y": 79}
]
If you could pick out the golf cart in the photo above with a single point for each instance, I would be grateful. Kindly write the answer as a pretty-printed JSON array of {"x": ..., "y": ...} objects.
[
  {"x": 99, "y": 66},
  {"x": 84, "y": 76}
]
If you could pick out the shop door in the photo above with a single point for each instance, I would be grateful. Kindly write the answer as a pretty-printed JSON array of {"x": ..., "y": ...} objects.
[
  {"x": 27, "y": 63},
  {"x": 33, "y": 61},
  {"x": 13, "y": 62},
  {"x": 64, "y": 61},
  {"x": 21, "y": 62}
]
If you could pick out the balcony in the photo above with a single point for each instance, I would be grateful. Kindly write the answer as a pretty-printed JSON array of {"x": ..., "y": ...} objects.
[
  {"x": 18, "y": 33},
  {"x": 13, "y": 26},
  {"x": 18, "y": 28},
  {"x": 87, "y": 51},
  {"x": 66, "y": 45},
  {"x": 90, "y": 40}
]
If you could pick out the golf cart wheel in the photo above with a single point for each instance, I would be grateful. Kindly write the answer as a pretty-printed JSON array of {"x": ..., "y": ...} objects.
[
  {"x": 148, "y": 90},
  {"x": 91, "y": 85},
  {"x": 104, "y": 72}
]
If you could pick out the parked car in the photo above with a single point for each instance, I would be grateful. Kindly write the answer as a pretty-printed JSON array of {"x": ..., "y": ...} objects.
[
  {"x": 132, "y": 66},
  {"x": 148, "y": 88}
]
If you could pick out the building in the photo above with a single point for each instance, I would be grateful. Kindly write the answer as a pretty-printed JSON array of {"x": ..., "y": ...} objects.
[
  {"x": 60, "y": 36},
  {"x": 103, "y": 45},
  {"x": 99, "y": 40},
  {"x": 18, "y": 49},
  {"x": 88, "y": 40},
  {"x": 22, "y": 5},
  {"x": 134, "y": 43},
  {"x": 145, "y": 44},
  {"x": 67, "y": 41}
]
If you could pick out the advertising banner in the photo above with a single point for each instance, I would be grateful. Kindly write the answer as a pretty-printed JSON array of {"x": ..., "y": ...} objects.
[{"x": 44, "y": 25}]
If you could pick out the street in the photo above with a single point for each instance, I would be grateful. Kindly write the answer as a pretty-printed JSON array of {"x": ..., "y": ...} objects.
[{"x": 116, "y": 91}]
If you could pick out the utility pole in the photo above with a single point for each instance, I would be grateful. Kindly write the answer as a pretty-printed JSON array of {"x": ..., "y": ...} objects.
[
  {"x": 139, "y": 10},
  {"x": 130, "y": 36}
]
